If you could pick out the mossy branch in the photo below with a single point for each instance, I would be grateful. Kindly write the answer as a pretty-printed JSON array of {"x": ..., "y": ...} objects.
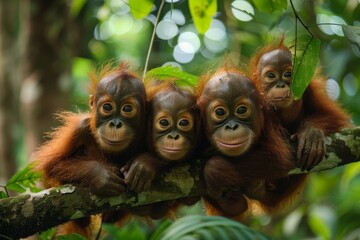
[{"x": 28, "y": 214}]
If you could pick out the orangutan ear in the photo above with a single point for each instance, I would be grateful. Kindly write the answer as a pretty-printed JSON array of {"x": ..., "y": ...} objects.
[{"x": 91, "y": 101}]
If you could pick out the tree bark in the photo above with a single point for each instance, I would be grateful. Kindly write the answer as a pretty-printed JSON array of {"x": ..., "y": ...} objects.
[{"x": 30, "y": 213}]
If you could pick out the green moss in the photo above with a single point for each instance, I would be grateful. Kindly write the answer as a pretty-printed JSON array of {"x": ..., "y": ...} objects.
[
  {"x": 352, "y": 142},
  {"x": 77, "y": 214},
  {"x": 27, "y": 210},
  {"x": 181, "y": 178}
]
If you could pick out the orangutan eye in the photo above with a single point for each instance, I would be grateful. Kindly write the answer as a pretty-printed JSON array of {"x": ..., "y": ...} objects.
[
  {"x": 287, "y": 74},
  {"x": 220, "y": 112},
  {"x": 107, "y": 107},
  {"x": 270, "y": 75},
  {"x": 183, "y": 122},
  {"x": 241, "y": 110},
  {"x": 127, "y": 108},
  {"x": 164, "y": 122}
]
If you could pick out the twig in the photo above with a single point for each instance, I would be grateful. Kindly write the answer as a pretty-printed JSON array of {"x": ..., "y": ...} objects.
[
  {"x": 153, "y": 37},
  {"x": 300, "y": 20}
]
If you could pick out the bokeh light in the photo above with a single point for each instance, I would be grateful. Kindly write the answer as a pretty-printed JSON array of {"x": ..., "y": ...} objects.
[
  {"x": 183, "y": 52},
  {"x": 332, "y": 89},
  {"x": 120, "y": 24},
  {"x": 350, "y": 84},
  {"x": 215, "y": 38},
  {"x": 325, "y": 22},
  {"x": 166, "y": 29},
  {"x": 191, "y": 38},
  {"x": 242, "y": 10},
  {"x": 120, "y": 7},
  {"x": 102, "y": 31},
  {"x": 176, "y": 15}
]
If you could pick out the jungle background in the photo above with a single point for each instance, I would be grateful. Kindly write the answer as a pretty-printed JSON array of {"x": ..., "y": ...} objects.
[{"x": 47, "y": 48}]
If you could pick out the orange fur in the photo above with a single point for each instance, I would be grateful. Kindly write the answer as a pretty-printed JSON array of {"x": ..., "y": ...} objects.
[
  {"x": 74, "y": 156},
  {"x": 154, "y": 87},
  {"x": 262, "y": 162},
  {"x": 317, "y": 110},
  {"x": 122, "y": 70},
  {"x": 320, "y": 110}
]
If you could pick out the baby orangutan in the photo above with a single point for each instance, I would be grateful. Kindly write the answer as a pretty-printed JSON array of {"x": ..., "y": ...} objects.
[
  {"x": 173, "y": 134},
  {"x": 90, "y": 148},
  {"x": 244, "y": 149}
]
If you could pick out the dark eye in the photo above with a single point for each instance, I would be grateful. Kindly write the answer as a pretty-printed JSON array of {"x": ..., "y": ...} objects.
[
  {"x": 183, "y": 122},
  {"x": 287, "y": 74},
  {"x": 164, "y": 122},
  {"x": 107, "y": 107},
  {"x": 270, "y": 75},
  {"x": 241, "y": 110},
  {"x": 220, "y": 112},
  {"x": 127, "y": 108}
]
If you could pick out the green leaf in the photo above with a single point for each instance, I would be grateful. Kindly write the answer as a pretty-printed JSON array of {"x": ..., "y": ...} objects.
[
  {"x": 76, "y": 6},
  {"x": 73, "y": 236},
  {"x": 48, "y": 234},
  {"x": 271, "y": 5},
  {"x": 320, "y": 222},
  {"x": 202, "y": 12},
  {"x": 263, "y": 6},
  {"x": 353, "y": 35},
  {"x": 307, "y": 52},
  {"x": 280, "y": 4},
  {"x": 166, "y": 72},
  {"x": 25, "y": 179},
  {"x": 131, "y": 231},
  {"x": 141, "y": 8},
  {"x": 3, "y": 194},
  {"x": 160, "y": 229},
  {"x": 207, "y": 227}
]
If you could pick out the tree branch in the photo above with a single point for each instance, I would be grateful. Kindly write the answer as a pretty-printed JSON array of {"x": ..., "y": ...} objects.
[{"x": 28, "y": 214}]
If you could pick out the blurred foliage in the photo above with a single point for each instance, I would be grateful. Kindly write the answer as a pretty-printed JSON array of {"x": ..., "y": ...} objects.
[{"x": 329, "y": 208}]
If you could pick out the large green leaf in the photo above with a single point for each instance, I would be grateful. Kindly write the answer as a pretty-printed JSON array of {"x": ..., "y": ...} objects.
[
  {"x": 307, "y": 53},
  {"x": 202, "y": 12},
  {"x": 353, "y": 35},
  {"x": 166, "y": 72},
  {"x": 25, "y": 179},
  {"x": 205, "y": 227},
  {"x": 270, "y": 5},
  {"x": 141, "y": 8}
]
